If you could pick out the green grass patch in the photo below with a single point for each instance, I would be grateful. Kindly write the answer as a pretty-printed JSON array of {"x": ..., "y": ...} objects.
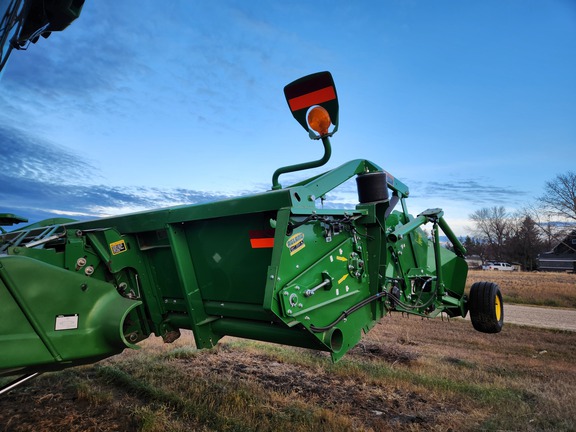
[{"x": 372, "y": 371}]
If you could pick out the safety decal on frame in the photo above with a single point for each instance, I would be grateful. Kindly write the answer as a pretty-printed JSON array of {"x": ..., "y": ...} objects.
[
  {"x": 261, "y": 239},
  {"x": 295, "y": 243},
  {"x": 118, "y": 247},
  {"x": 66, "y": 322}
]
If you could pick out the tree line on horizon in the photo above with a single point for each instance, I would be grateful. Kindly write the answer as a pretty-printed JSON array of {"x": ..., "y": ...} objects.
[{"x": 519, "y": 237}]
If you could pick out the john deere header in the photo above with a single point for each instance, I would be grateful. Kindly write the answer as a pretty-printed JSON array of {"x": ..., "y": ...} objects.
[{"x": 274, "y": 266}]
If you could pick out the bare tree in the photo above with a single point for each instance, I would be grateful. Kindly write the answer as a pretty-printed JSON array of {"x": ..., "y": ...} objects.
[
  {"x": 551, "y": 231},
  {"x": 555, "y": 212},
  {"x": 559, "y": 197},
  {"x": 493, "y": 225}
]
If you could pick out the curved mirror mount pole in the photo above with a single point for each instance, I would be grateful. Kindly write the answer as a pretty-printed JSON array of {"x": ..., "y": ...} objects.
[{"x": 303, "y": 166}]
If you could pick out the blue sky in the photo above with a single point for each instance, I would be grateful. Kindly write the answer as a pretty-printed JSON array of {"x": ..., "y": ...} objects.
[{"x": 472, "y": 104}]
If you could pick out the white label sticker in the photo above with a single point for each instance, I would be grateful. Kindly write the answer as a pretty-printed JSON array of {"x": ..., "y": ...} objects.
[{"x": 66, "y": 322}]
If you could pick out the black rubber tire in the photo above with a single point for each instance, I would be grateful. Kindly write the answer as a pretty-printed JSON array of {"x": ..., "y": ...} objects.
[{"x": 486, "y": 307}]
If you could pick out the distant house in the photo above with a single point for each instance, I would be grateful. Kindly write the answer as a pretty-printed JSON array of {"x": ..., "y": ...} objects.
[{"x": 562, "y": 257}]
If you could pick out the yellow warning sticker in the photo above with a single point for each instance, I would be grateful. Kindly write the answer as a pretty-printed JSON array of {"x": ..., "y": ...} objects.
[
  {"x": 295, "y": 243},
  {"x": 118, "y": 247},
  {"x": 342, "y": 279},
  {"x": 419, "y": 239}
]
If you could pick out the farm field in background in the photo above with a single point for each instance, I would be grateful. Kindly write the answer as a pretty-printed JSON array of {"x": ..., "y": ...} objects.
[
  {"x": 407, "y": 374},
  {"x": 533, "y": 288}
]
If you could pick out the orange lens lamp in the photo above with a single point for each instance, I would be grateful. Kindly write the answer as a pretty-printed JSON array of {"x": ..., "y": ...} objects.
[{"x": 319, "y": 120}]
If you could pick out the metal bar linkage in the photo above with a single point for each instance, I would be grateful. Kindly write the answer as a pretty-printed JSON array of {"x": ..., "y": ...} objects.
[{"x": 17, "y": 382}]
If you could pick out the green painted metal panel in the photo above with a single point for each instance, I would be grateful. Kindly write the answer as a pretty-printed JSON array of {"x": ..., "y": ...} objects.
[
  {"x": 229, "y": 265},
  {"x": 82, "y": 319},
  {"x": 20, "y": 345}
]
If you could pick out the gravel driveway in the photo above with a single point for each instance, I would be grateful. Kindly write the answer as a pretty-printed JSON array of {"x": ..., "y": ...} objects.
[{"x": 563, "y": 319}]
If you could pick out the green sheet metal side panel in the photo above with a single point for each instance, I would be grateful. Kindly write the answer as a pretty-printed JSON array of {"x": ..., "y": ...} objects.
[
  {"x": 231, "y": 256},
  {"x": 19, "y": 343},
  {"x": 454, "y": 271},
  {"x": 307, "y": 258},
  {"x": 158, "y": 219},
  {"x": 75, "y": 317},
  {"x": 211, "y": 268},
  {"x": 161, "y": 266}
]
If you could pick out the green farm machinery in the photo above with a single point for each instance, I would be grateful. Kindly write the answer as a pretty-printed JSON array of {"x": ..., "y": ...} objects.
[{"x": 275, "y": 266}]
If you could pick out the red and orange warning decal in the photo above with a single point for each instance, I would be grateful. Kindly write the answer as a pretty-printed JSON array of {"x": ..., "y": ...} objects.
[
  {"x": 314, "y": 98},
  {"x": 261, "y": 239}
]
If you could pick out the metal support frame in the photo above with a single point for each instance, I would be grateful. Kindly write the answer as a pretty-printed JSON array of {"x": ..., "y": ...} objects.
[{"x": 17, "y": 382}]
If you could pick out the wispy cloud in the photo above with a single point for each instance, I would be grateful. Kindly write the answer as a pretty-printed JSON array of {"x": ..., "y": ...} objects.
[
  {"x": 28, "y": 158},
  {"x": 41, "y": 180},
  {"x": 73, "y": 69},
  {"x": 477, "y": 192},
  {"x": 117, "y": 62},
  {"x": 473, "y": 191}
]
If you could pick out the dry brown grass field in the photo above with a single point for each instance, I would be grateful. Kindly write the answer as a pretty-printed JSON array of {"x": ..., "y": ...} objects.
[
  {"x": 408, "y": 374},
  {"x": 535, "y": 288}
]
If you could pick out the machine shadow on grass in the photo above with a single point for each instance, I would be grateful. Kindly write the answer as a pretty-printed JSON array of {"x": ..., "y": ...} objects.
[{"x": 408, "y": 374}]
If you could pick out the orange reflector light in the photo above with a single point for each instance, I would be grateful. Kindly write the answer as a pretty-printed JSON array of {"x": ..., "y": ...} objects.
[{"x": 319, "y": 120}]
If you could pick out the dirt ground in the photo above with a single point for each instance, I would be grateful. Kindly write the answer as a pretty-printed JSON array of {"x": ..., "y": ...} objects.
[
  {"x": 56, "y": 402},
  {"x": 50, "y": 405}
]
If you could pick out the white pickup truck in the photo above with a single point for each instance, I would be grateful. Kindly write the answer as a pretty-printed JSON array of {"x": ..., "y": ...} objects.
[{"x": 498, "y": 266}]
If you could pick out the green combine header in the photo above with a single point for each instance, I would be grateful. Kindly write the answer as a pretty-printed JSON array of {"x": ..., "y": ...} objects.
[{"x": 274, "y": 266}]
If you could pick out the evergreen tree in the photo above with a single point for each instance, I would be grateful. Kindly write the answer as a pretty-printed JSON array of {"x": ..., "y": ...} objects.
[{"x": 525, "y": 244}]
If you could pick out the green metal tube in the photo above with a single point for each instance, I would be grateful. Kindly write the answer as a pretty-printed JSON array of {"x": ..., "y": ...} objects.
[
  {"x": 303, "y": 166},
  {"x": 401, "y": 231},
  {"x": 458, "y": 247},
  {"x": 438, "y": 262},
  {"x": 267, "y": 332},
  {"x": 237, "y": 310}
]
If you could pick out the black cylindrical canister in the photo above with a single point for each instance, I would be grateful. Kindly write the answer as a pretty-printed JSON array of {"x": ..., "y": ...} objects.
[{"x": 372, "y": 187}]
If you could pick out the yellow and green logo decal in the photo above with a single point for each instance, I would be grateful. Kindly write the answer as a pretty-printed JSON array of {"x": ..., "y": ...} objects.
[
  {"x": 118, "y": 247},
  {"x": 295, "y": 243}
]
